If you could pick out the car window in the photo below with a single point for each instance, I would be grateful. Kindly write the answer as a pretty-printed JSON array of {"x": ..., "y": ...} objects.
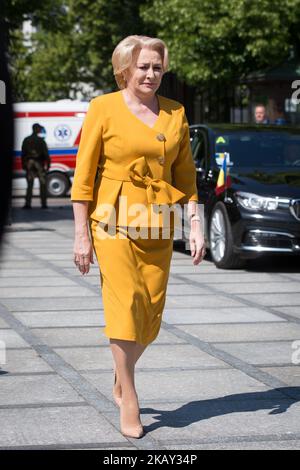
[
  {"x": 198, "y": 144},
  {"x": 260, "y": 149}
]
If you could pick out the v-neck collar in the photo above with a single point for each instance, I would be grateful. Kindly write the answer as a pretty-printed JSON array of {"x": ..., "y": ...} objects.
[{"x": 153, "y": 128}]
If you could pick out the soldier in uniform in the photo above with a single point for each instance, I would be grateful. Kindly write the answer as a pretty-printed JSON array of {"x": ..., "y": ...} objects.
[{"x": 36, "y": 162}]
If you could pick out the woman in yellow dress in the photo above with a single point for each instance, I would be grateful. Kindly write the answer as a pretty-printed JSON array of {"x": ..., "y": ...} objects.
[{"x": 134, "y": 156}]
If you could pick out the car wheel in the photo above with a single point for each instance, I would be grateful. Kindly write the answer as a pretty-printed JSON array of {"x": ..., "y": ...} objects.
[
  {"x": 57, "y": 184},
  {"x": 220, "y": 240}
]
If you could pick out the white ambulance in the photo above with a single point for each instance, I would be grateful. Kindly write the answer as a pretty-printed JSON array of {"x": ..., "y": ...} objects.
[{"x": 62, "y": 122}]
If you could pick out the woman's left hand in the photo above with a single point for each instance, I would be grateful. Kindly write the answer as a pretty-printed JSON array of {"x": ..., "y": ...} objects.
[{"x": 197, "y": 243}]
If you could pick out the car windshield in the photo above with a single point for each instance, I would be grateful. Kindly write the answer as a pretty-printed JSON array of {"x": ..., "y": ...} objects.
[{"x": 260, "y": 149}]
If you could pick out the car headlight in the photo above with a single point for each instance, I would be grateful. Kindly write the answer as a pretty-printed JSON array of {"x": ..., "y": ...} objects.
[{"x": 253, "y": 202}]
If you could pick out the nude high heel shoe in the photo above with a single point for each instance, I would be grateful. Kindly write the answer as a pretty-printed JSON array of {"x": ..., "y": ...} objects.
[
  {"x": 135, "y": 435},
  {"x": 135, "y": 432}
]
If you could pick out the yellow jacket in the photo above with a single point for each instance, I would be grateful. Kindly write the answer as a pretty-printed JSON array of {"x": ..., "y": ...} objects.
[{"x": 119, "y": 155}]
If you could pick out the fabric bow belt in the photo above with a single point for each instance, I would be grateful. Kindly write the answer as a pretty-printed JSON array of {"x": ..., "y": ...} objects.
[{"x": 138, "y": 171}]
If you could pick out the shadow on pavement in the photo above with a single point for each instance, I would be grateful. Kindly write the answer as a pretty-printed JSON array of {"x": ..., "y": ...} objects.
[
  {"x": 277, "y": 401},
  {"x": 36, "y": 214},
  {"x": 267, "y": 263}
]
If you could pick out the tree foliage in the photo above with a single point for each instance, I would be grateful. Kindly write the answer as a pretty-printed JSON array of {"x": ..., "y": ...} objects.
[
  {"x": 209, "y": 40},
  {"x": 75, "y": 52},
  {"x": 46, "y": 13},
  {"x": 224, "y": 39},
  {"x": 100, "y": 25}
]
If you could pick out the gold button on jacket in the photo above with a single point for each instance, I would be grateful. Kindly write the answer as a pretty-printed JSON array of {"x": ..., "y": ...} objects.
[
  {"x": 119, "y": 155},
  {"x": 161, "y": 137}
]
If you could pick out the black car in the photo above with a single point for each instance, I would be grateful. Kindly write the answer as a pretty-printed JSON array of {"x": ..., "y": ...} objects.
[{"x": 258, "y": 212}]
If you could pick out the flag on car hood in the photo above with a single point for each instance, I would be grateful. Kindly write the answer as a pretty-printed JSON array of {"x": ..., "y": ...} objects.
[{"x": 224, "y": 180}]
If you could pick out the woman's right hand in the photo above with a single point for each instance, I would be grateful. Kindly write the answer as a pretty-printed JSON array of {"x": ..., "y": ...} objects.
[
  {"x": 197, "y": 242},
  {"x": 83, "y": 252}
]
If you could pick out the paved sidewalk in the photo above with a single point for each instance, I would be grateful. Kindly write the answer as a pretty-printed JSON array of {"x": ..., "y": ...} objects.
[{"x": 219, "y": 376}]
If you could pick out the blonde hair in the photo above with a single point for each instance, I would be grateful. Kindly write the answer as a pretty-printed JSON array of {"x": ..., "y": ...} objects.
[{"x": 124, "y": 52}]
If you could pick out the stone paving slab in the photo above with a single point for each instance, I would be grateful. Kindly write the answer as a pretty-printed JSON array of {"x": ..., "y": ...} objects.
[
  {"x": 189, "y": 268},
  {"x": 258, "y": 287},
  {"x": 184, "y": 290},
  {"x": 12, "y": 339},
  {"x": 29, "y": 264},
  {"x": 72, "y": 336},
  {"x": 55, "y": 256},
  {"x": 24, "y": 360},
  {"x": 63, "y": 425},
  {"x": 293, "y": 272},
  {"x": 6, "y": 257},
  {"x": 45, "y": 292},
  {"x": 289, "y": 374},
  {"x": 45, "y": 245},
  {"x": 42, "y": 389},
  {"x": 182, "y": 261},
  {"x": 35, "y": 272},
  {"x": 175, "y": 280},
  {"x": 63, "y": 303},
  {"x": 209, "y": 300},
  {"x": 69, "y": 264},
  {"x": 27, "y": 239},
  {"x": 219, "y": 315},
  {"x": 76, "y": 274},
  {"x": 261, "y": 353},
  {"x": 63, "y": 318},
  {"x": 43, "y": 281},
  {"x": 182, "y": 356},
  {"x": 86, "y": 358},
  {"x": 244, "y": 331},
  {"x": 50, "y": 249},
  {"x": 92, "y": 279},
  {"x": 294, "y": 311},
  {"x": 273, "y": 299},
  {"x": 3, "y": 323},
  {"x": 241, "y": 277}
]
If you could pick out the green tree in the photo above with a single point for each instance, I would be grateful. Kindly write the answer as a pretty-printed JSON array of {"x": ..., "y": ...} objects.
[
  {"x": 77, "y": 51},
  {"x": 100, "y": 25},
  {"x": 49, "y": 16},
  {"x": 210, "y": 41},
  {"x": 223, "y": 40},
  {"x": 46, "y": 13},
  {"x": 51, "y": 71}
]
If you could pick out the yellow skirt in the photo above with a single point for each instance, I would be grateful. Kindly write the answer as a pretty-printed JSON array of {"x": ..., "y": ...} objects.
[{"x": 134, "y": 274}]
